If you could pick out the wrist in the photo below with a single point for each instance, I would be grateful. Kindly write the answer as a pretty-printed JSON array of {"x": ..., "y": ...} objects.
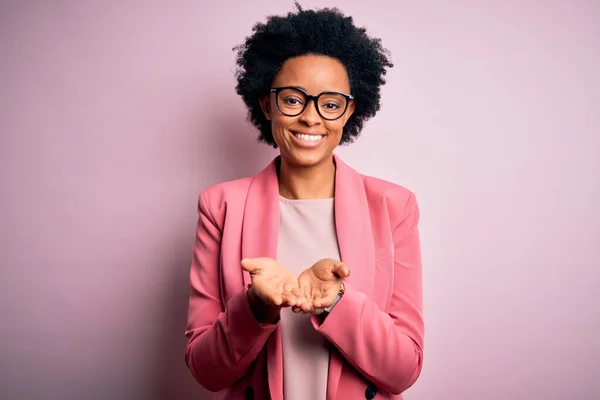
[
  {"x": 339, "y": 296},
  {"x": 263, "y": 312}
]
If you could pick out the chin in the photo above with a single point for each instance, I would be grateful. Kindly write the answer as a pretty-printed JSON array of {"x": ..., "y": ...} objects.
[{"x": 306, "y": 159}]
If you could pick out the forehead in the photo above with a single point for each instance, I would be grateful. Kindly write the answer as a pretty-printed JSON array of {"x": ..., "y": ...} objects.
[{"x": 313, "y": 73}]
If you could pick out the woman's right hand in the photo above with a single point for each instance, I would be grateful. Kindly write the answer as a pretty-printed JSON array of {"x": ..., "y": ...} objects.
[{"x": 272, "y": 283}]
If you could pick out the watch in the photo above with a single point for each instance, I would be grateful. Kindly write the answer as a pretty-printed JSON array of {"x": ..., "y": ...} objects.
[{"x": 327, "y": 310}]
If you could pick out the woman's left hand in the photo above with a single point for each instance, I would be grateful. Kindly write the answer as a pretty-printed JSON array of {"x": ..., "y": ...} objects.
[{"x": 320, "y": 285}]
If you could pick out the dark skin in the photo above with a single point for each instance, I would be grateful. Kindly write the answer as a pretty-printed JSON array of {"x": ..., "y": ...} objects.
[{"x": 306, "y": 172}]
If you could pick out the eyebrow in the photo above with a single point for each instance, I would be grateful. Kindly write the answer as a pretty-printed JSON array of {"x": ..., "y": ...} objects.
[
  {"x": 294, "y": 86},
  {"x": 304, "y": 89}
]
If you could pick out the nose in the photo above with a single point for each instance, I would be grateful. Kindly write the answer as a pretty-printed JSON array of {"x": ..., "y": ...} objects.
[{"x": 310, "y": 116}]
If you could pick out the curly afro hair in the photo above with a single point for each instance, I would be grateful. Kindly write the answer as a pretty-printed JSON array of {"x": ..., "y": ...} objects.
[{"x": 325, "y": 32}]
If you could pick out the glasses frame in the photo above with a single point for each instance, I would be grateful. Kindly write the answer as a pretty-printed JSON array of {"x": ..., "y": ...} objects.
[{"x": 310, "y": 97}]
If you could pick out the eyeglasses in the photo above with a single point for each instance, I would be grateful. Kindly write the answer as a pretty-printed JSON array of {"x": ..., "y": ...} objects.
[{"x": 292, "y": 101}]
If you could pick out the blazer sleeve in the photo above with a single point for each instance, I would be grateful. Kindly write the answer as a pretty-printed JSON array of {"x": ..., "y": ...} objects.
[
  {"x": 223, "y": 341},
  {"x": 386, "y": 347}
]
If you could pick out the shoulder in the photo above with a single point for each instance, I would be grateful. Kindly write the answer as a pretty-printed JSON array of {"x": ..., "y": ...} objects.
[
  {"x": 377, "y": 187},
  {"x": 227, "y": 190},
  {"x": 214, "y": 200},
  {"x": 385, "y": 199},
  {"x": 399, "y": 201}
]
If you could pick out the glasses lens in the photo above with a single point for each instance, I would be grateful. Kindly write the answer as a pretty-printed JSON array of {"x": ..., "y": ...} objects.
[
  {"x": 332, "y": 105},
  {"x": 291, "y": 101}
]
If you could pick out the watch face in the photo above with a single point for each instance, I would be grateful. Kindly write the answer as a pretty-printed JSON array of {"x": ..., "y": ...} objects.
[{"x": 328, "y": 309}]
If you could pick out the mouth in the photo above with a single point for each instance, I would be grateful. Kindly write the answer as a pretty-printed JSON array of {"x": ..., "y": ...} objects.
[{"x": 308, "y": 138}]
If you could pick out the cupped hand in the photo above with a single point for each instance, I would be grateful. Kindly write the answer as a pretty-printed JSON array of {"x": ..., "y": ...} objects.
[
  {"x": 320, "y": 284},
  {"x": 272, "y": 282}
]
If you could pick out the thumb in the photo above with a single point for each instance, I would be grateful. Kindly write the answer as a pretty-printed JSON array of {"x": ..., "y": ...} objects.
[
  {"x": 249, "y": 264},
  {"x": 341, "y": 270}
]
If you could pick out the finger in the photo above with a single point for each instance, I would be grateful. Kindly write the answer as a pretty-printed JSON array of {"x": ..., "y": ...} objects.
[
  {"x": 299, "y": 294},
  {"x": 276, "y": 299},
  {"x": 288, "y": 299},
  {"x": 249, "y": 264},
  {"x": 341, "y": 270},
  {"x": 312, "y": 311},
  {"x": 306, "y": 306},
  {"x": 323, "y": 302},
  {"x": 302, "y": 294}
]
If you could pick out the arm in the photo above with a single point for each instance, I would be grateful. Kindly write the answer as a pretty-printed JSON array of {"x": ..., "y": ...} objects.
[
  {"x": 222, "y": 341},
  {"x": 387, "y": 348}
]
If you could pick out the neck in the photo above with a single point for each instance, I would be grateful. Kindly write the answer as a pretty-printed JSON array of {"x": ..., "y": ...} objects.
[{"x": 315, "y": 182}]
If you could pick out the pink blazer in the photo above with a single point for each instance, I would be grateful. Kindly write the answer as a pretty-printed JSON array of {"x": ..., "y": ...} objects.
[{"x": 376, "y": 329}]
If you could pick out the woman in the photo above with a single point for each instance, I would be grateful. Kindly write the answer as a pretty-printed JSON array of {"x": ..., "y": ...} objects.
[{"x": 306, "y": 278}]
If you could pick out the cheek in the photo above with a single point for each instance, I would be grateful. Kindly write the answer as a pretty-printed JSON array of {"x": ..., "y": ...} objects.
[
  {"x": 336, "y": 128},
  {"x": 278, "y": 125}
]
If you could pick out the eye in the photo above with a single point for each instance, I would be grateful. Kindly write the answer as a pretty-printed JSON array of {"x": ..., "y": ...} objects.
[
  {"x": 292, "y": 101},
  {"x": 330, "y": 106}
]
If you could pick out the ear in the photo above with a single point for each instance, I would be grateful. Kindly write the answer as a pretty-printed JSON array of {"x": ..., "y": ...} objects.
[
  {"x": 265, "y": 105},
  {"x": 349, "y": 111}
]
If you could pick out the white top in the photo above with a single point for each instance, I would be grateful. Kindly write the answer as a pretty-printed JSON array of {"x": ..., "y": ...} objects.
[{"x": 306, "y": 235}]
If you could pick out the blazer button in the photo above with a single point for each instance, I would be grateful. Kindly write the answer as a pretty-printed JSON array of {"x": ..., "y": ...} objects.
[
  {"x": 371, "y": 392},
  {"x": 249, "y": 394}
]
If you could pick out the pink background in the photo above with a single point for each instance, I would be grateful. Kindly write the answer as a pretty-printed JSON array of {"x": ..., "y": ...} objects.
[{"x": 115, "y": 114}]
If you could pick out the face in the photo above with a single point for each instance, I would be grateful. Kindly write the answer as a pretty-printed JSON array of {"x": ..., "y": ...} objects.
[{"x": 308, "y": 139}]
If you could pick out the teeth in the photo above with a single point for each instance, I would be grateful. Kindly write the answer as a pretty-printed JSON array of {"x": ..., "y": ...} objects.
[{"x": 310, "y": 138}]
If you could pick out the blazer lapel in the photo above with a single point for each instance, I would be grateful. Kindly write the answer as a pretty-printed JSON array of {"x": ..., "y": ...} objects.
[
  {"x": 260, "y": 227},
  {"x": 353, "y": 227},
  {"x": 355, "y": 241},
  {"x": 260, "y": 230}
]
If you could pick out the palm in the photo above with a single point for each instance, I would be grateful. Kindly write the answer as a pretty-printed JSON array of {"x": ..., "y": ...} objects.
[
  {"x": 320, "y": 283},
  {"x": 275, "y": 286},
  {"x": 272, "y": 282}
]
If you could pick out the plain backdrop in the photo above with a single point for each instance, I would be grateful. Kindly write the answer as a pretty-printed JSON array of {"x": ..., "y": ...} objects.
[{"x": 114, "y": 115}]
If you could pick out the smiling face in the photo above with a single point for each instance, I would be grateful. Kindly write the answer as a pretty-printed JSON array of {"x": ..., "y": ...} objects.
[{"x": 308, "y": 139}]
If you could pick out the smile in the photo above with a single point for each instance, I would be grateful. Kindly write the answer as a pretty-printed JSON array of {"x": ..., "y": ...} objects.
[{"x": 308, "y": 137}]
